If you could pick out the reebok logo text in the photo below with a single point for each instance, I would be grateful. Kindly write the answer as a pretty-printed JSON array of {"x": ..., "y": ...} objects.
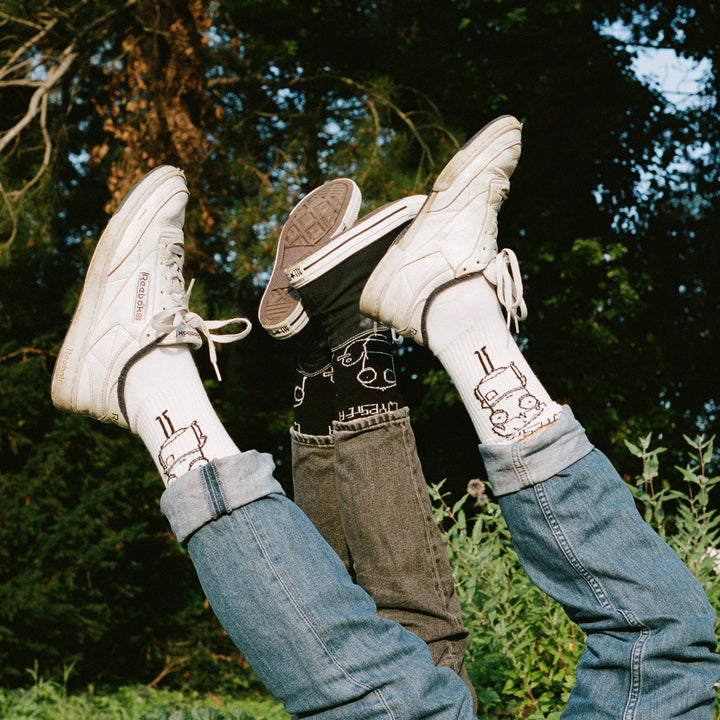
[{"x": 141, "y": 293}]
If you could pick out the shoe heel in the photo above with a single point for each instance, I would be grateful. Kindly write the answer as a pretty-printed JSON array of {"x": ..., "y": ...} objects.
[
  {"x": 373, "y": 294},
  {"x": 320, "y": 215},
  {"x": 65, "y": 378}
]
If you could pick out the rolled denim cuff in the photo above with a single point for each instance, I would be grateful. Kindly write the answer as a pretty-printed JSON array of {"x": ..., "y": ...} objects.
[
  {"x": 514, "y": 466},
  {"x": 311, "y": 440},
  {"x": 216, "y": 489},
  {"x": 370, "y": 422}
]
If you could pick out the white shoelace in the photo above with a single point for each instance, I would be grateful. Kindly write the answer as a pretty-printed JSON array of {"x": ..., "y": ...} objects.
[
  {"x": 178, "y": 315},
  {"x": 504, "y": 272}
]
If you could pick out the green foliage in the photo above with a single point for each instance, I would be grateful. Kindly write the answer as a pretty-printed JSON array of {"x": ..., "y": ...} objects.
[
  {"x": 260, "y": 102},
  {"x": 51, "y": 700},
  {"x": 523, "y": 648},
  {"x": 688, "y": 520},
  {"x": 89, "y": 571}
]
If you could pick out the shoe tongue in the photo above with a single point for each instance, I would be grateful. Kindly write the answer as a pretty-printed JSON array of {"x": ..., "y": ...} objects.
[{"x": 334, "y": 296}]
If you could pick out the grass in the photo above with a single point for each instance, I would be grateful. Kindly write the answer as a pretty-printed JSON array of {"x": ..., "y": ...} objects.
[{"x": 49, "y": 700}]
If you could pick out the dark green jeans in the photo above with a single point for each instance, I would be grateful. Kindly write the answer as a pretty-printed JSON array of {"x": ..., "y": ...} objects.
[{"x": 364, "y": 490}]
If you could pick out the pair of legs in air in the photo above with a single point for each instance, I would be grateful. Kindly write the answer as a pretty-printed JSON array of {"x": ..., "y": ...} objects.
[
  {"x": 356, "y": 472},
  {"x": 285, "y": 597}
]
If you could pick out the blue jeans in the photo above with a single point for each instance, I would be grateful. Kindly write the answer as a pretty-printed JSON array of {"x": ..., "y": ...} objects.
[
  {"x": 649, "y": 626},
  {"x": 285, "y": 598},
  {"x": 315, "y": 639}
]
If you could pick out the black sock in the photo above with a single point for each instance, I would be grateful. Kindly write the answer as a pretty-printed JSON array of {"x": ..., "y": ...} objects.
[
  {"x": 314, "y": 401},
  {"x": 364, "y": 373}
]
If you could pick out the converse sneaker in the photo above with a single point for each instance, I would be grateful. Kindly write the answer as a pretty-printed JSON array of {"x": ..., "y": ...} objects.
[
  {"x": 454, "y": 235},
  {"x": 330, "y": 280},
  {"x": 320, "y": 215},
  {"x": 133, "y": 300}
]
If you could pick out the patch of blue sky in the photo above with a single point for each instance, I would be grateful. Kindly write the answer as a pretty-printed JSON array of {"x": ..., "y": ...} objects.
[
  {"x": 682, "y": 81},
  {"x": 682, "y": 84}
]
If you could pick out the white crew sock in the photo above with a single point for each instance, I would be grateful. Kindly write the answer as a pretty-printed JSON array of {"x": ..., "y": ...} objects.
[
  {"x": 468, "y": 333},
  {"x": 170, "y": 410}
]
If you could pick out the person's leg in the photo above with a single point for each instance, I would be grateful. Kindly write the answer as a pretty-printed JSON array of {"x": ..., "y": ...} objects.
[
  {"x": 315, "y": 489},
  {"x": 649, "y": 625},
  {"x": 397, "y": 551},
  {"x": 314, "y": 638},
  {"x": 315, "y": 483},
  {"x": 575, "y": 526},
  {"x": 413, "y": 586}
]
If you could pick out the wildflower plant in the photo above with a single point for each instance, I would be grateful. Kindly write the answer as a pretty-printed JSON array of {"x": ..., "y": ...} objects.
[
  {"x": 523, "y": 648},
  {"x": 685, "y": 518}
]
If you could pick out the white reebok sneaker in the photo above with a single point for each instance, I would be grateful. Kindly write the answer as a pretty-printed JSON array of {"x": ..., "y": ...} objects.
[
  {"x": 454, "y": 234},
  {"x": 133, "y": 300}
]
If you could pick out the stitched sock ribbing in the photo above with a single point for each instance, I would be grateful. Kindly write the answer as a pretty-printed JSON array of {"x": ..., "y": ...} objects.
[
  {"x": 170, "y": 411},
  {"x": 469, "y": 335}
]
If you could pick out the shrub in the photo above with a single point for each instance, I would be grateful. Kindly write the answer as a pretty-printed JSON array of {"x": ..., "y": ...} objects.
[
  {"x": 686, "y": 520},
  {"x": 523, "y": 648},
  {"x": 50, "y": 700}
]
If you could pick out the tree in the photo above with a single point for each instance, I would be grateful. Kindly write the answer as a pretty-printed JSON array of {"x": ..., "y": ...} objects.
[{"x": 610, "y": 213}]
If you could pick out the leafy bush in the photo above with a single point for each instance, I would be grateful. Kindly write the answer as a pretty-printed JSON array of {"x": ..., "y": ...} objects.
[
  {"x": 50, "y": 700},
  {"x": 686, "y": 520},
  {"x": 524, "y": 649},
  {"x": 90, "y": 573}
]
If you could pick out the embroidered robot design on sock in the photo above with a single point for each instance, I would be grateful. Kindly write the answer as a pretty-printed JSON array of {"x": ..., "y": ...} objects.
[
  {"x": 299, "y": 389},
  {"x": 182, "y": 449},
  {"x": 370, "y": 353},
  {"x": 299, "y": 392},
  {"x": 503, "y": 391}
]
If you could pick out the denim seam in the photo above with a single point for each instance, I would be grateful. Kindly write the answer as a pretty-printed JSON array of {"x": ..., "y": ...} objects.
[
  {"x": 455, "y": 659},
  {"x": 635, "y": 665},
  {"x": 600, "y": 595},
  {"x": 307, "y": 440},
  {"x": 213, "y": 490},
  {"x": 410, "y": 462},
  {"x": 519, "y": 466},
  {"x": 306, "y": 619},
  {"x": 567, "y": 550}
]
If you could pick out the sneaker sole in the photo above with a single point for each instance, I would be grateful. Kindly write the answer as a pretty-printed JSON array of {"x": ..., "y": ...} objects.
[
  {"x": 322, "y": 214},
  {"x": 366, "y": 231},
  {"x": 140, "y": 206},
  {"x": 451, "y": 175}
]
